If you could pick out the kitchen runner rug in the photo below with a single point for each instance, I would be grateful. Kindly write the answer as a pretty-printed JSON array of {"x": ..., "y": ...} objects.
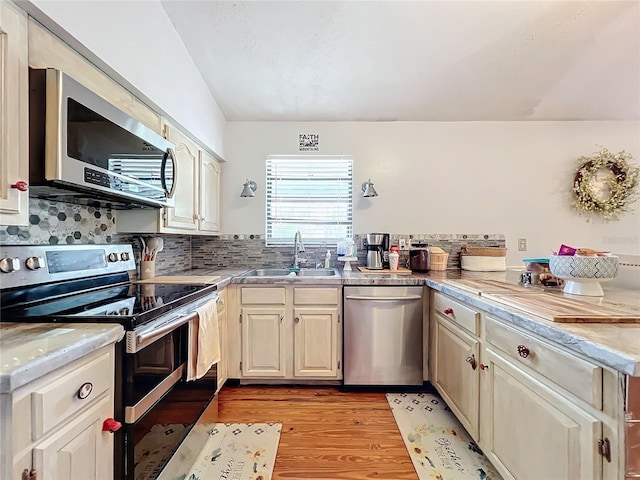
[
  {"x": 229, "y": 451},
  {"x": 439, "y": 447}
]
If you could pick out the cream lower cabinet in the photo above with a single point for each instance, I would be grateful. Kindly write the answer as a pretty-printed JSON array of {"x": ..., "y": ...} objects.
[
  {"x": 287, "y": 332},
  {"x": 534, "y": 433},
  {"x": 537, "y": 410},
  {"x": 455, "y": 377},
  {"x": 222, "y": 368},
  {"x": 455, "y": 358},
  {"x": 56, "y": 421}
]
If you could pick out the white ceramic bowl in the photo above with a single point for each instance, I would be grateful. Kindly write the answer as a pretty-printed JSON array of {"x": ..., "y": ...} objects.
[{"x": 584, "y": 274}]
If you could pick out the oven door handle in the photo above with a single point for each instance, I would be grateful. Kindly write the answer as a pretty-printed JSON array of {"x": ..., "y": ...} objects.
[{"x": 147, "y": 334}]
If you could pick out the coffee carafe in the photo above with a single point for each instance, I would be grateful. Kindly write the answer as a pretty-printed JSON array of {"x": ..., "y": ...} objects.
[{"x": 375, "y": 251}]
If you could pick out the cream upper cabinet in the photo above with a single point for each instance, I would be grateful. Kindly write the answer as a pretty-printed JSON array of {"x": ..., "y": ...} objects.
[
  {"x": 184, "y": 215},
  {"x": 209, "y": 190},
  {"x": 285, "y": 332},
  {"x": 46, "y": 50},
  {"x": 14, "y": 116},
  {"x": 196, "y": 196}
]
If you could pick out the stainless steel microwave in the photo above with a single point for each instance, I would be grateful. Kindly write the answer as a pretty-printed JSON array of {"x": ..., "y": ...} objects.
[{"x": 82, "y": 149}]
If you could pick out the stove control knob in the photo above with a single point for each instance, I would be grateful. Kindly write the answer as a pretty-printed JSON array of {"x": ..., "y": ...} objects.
[
  {"x": 124, "y": 256},
  {"x": 34, "y": 263},
  {"x": 113, "y": 257},
  {"x": 8, "y": 265}
]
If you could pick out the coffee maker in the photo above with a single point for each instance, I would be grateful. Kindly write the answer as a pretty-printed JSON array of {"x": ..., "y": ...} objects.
[{"x": 377, "y": 250}]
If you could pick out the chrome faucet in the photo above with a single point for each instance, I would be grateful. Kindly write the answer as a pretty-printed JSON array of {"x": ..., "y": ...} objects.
[{"x": 298, "y": 247}]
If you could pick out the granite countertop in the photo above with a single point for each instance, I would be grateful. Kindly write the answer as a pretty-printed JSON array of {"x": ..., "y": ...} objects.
[
  {"x": 31, "y": 350},
  {"x": 616, "y": 345}
]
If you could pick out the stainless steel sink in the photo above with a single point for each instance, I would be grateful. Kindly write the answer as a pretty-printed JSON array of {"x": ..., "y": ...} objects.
[
  {"x": 284, "y": 272},
  {"x": 317, "y": 272}
]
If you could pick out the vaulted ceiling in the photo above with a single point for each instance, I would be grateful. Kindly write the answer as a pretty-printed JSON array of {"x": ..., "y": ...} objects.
[{"x": 416, "y": 60}]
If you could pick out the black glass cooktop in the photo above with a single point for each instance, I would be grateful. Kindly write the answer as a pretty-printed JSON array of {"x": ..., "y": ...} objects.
[{"x": 129, "y": 304}]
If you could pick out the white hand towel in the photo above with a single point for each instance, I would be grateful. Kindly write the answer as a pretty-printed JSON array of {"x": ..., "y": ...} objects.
[{"x": 204, "y": 341}]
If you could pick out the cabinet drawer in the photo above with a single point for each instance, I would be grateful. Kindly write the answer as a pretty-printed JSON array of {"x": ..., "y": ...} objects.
[
  {"x": 58, "y": 401},
  {"x": 315, "y": 296},
  {"x": 263, "y": 296},
  {"x": 456, "y": 312},
  {"x": 578, "y": 376}
]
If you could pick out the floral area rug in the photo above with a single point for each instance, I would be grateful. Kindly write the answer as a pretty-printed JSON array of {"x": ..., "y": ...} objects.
[
  {"x": 230, "y": 451},
  {"x": 439, "y": 447}
]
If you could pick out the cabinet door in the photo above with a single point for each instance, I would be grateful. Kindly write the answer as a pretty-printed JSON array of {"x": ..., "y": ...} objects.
[
  {"x": 80, "y": 449},
  {"x": 209, "y": 216},
  {"x": 184, "y": 215},
  {"x": 315, "y": 342},
  {"x": 263, "y": 347},
  {"x": 535, "y": 433},
  {"x": 14, "y": 111},
  {"x": 455, "y": 378},
  {"x": 223, "y": 368}
]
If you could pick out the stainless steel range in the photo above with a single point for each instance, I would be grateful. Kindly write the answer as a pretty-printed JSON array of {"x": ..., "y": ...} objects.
[{"x": 91, "y": 284}]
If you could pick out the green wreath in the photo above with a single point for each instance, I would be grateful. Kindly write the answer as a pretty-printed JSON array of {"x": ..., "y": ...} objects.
[{"x": 619, "y": 187}]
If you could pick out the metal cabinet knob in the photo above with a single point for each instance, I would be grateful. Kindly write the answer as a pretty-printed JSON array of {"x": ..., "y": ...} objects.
[
  {"x": 296, "y": 320},
  {"x": 85, "y": 390},
  {"x": 471, "y": 360}
]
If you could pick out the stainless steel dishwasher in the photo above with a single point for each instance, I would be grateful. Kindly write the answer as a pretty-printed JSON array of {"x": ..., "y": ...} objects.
[{"x": 382, "y": 335}]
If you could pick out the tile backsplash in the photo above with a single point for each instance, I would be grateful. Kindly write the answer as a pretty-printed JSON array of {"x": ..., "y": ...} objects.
[
  {"x": 249, "y": 251},
  {"x": 62, "y": 223}
]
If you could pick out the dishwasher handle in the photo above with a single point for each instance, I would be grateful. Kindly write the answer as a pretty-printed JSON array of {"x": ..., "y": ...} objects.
[{"x": 384, "y": 299}]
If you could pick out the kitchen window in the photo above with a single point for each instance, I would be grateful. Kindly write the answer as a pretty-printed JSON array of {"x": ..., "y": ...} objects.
[{"x": 313, "y": 194}]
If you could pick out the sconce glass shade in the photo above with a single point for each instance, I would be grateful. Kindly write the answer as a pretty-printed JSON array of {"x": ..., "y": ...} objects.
[
  {"x": 249, "y": 189},
  {"x": 368, "y": 190}
]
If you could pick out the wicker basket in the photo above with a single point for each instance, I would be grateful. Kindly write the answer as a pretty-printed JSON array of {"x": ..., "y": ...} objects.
[
  {"x": 484, "y": 251},
  {"x": 438, "y": 261}
]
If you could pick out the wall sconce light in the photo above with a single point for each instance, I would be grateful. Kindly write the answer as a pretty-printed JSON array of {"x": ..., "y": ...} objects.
[
  {"x": 368, "y": 190},
  {"x": 249, "y": 189}
]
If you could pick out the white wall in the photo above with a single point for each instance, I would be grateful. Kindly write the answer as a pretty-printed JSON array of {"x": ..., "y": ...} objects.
[
  {"x": 138, "y": 41},
  {"x": 464, "y": 177}
]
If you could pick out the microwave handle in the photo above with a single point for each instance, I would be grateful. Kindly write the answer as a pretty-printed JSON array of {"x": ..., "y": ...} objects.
[{"x": 169, "y": 154}]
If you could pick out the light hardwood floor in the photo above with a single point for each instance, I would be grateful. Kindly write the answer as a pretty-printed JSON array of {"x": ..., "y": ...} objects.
[{"x": 326, "y": 433}]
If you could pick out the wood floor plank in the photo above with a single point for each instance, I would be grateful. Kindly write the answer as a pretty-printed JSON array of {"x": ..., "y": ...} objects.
[{"x": 327, "y": 434}]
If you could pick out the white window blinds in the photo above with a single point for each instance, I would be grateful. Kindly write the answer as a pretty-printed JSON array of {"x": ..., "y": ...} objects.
[{"x": 310, "y": 194}]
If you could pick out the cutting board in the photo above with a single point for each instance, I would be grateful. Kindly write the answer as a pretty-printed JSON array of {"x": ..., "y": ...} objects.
[
  {"x": 481, "y": 287},
  {"x": 386, "y": 271},
  {"x": 562, "y": 308},
  {"x": 183, "y": 279}
]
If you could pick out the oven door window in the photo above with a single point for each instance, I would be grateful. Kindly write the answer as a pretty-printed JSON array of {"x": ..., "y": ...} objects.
[{"x": 165, "y": 406}]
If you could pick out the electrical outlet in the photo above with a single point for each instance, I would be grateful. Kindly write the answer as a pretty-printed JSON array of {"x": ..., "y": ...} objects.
[
  {"x": 522, "y": 244},
  {"x": 402, "y": 243}
]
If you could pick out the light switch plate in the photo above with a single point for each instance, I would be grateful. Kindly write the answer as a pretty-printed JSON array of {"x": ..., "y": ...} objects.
[{"x": 522, "y": 244}]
